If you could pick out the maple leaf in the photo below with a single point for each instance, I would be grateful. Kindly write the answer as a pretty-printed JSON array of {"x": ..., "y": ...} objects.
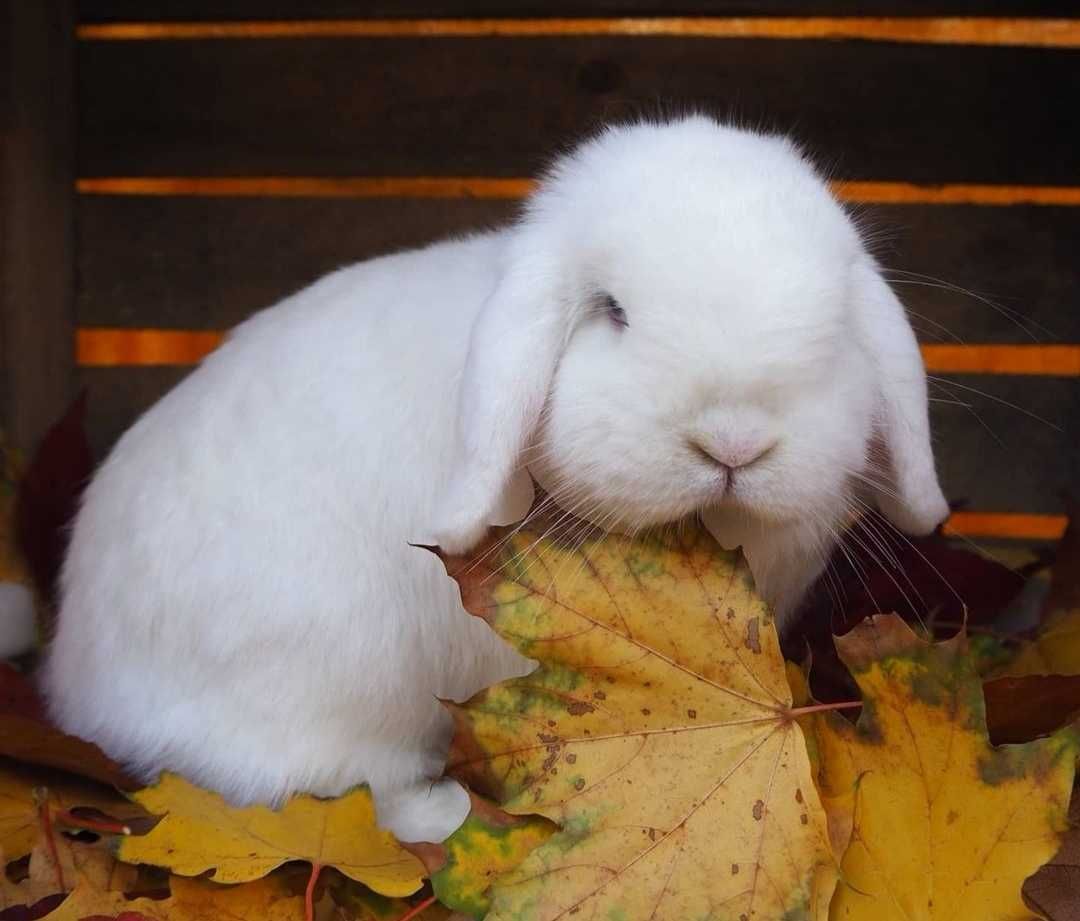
[
  {"x": 266, "y": 899},
  {"x": 23, "y": 795},
  {"x": 200, "y": 832},
  {"x": 941, "y": 824},
  {"x": 487, "y": 845},
  {"x": 656, "y": 731}
]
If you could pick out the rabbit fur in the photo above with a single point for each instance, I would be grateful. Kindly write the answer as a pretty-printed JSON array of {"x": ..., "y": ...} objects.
[{"x": 682, "y": 321}]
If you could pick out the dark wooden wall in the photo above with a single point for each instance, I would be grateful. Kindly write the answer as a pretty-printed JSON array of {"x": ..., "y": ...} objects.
[{"x": 988, "y": 117}]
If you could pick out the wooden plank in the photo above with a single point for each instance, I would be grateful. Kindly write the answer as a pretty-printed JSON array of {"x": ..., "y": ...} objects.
[
  {"x": 1051, "y": 360},
  {"x": 1005, "y": 524},
  {"x": 1019, "y": 469},
  {"x": 36, "y": 187},
  {"x": 998, "y": 32},
  {"x": 188, "y": 10},
  {"x": 907, "y": 193},
  {"x": 498, "y": 107},
  {"x": 203, "y": 263},
  {"x": 108, "y": 347}
]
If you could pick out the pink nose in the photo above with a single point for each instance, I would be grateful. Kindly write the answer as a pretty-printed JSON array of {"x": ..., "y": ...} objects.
[{"x": 733, "y": 452}]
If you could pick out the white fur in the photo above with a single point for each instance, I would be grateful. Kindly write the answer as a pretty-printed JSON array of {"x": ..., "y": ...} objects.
[{"x": 241, "y": 602}]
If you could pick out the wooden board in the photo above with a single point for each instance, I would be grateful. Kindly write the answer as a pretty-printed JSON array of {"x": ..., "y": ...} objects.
[
  {"x": 36, "y": 195},
  {"x": 206, "y": 263},
  {"x": 501, "y": 106},
  {"x": 188, "y": 10}
]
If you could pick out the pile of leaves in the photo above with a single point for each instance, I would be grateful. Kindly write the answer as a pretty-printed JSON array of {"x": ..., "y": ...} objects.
[{"x": 663, "y": 761}]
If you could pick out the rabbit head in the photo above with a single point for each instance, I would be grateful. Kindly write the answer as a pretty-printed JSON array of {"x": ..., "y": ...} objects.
[{"x": 687, "y": 322}]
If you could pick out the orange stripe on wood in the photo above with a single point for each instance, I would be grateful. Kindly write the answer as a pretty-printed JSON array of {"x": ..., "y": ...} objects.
[
  {"x": 97, "y": 347},
  {"x": 486, "y": 187},
  {"x": 309, "y": 186},
  {"x": 1006, "y": 524},
  {"x": 105, "y": 346},
  {"x": 1047, "y": 360},
  {"x": 947, "y": 30}
]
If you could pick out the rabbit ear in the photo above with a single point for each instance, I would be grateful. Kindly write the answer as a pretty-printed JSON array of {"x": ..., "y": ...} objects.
[
  {"x": 515, "y": 345},
  {"x": 914, "y": 503}
]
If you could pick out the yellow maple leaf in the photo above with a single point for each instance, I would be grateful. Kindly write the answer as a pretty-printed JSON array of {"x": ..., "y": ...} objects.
[
  {"x": 941, "y": 824},
  {"x": 265, "y": 899},
  {"x": 23, "y": 792},
  {"x": 200, "y": 832},
  {"x": 656, "y": 731}
]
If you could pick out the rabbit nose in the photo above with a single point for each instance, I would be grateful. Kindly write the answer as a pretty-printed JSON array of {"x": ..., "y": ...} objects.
[{"x": 732, "y": 453}]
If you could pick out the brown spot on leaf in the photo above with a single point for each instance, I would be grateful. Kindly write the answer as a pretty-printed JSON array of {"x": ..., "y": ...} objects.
[
  {"x": 579, "y": 784},
  {"x": 579, "y": 707},
  {"x": 692, "y": 714},
  {"x": 546, "y": 738},
  {"x": 645, "y": 711},
  {"x": 753, "y": 635},
  {"x": 804, "y": 819},
  {"x": 571, "y": 758},
  {"x": 734, "y": 869},
  {"x": 730, "y": 613},
  {"x": 652, "y": 834},
  {"x": 798, "y": 796},
  {"x": 952, "y": 816},
  {"x": 599, "y": 695},
  {"x": 759, "y": 809}
]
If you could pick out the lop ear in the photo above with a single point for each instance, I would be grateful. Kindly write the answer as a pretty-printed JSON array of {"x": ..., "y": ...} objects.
[
  {"x": 915, "y": 503},
  {"x": 515, "y": 345}
]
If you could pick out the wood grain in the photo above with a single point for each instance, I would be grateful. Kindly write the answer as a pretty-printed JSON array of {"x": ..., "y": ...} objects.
[
  {"x": 207, "y": 263},
  {"x": 36, "y": 239},
  {"x": 907, "y": 193},
  {"x": 188, "y": 10},
  {"x": 500, "y": 107},
  {"x": 1000, "y": 32}
]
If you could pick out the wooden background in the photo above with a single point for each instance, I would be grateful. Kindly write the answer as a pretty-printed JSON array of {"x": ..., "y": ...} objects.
[{"x": 210, "y": 156}]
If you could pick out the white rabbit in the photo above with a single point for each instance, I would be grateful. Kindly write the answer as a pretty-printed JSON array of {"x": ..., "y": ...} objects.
[{"x": 682, "y": 321}]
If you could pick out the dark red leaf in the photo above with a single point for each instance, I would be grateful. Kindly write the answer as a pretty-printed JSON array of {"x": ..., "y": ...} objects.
[
  {"x": 1022, "y": 709},
  {"x": 48, "y": 496}
]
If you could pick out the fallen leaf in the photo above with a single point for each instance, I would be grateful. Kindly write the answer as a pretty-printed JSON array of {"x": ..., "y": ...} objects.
[
  {"x": 33, "y": 740},
  {"x": 942, "y": 824},
  {"x": 655, "y": 732},
  {"x": 489, "y": 844},
  {"x": 20, "y": 806},
  {"x": 1054, "y": 651},
  {"x": 199, "y": 832},
  {"x": 1019, "y": 709},
  {"x": 48, "y": 496},
  {"x": 266, "y": 899},
  {"x": 1054, "y": 891}
]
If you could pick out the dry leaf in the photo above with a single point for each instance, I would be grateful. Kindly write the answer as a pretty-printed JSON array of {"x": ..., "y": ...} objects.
[
  {"x": 941, "y": 824},
  {"x": 1019, "y": 709},
  {"x": 489, "y": 844},
  {"x": 200, "y": 833},
  {"x": 266, "y": 899},
  {"x": 19, "y": 808},
  {"x": 1055, "y": 651},
  {"x": 1055, "y": 890},
  {"x": 655, "y": 731}
]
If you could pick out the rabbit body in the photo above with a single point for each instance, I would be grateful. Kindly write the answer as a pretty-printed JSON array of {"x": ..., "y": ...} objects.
[
  {"x": 241, "y": 602},
  {"x": 683, "y": 321}
]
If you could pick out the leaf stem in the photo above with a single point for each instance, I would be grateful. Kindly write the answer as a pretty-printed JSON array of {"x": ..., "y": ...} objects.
[
  {"x": 64, "y": 817},
  {"x": 817, "y": 708},
  {"x": 50, "y": 840},
  {"x": 416, "y": 909},
  {"x": 309, "y": 895}
]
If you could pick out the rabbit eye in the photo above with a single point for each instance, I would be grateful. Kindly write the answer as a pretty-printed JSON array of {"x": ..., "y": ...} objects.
[{"x": 615, "y": 313}]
